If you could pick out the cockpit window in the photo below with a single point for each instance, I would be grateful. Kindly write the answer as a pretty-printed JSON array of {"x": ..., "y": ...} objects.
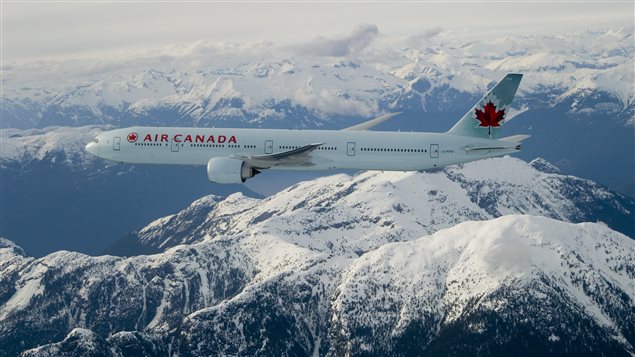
[{"x": 95, "y": 140}]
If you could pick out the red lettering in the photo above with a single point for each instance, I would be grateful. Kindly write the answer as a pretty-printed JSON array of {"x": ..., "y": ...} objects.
[
  {"x": 200, "y": 138},
  {"x": 177, "y": 138},
  {"x": 222, "y": 139},
  {"x": 210, "y": 139},
  {"x": 156, "y": 137},
  {"x": 232, "y": 140},
  {"x": 147, "y": 138},
  {"x": 164, "y": 137},
  {"x": 188, "y": 138}
]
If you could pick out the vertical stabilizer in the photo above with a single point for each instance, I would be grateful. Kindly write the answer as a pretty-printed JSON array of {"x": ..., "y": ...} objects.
[{"x": 488, "y": 115}]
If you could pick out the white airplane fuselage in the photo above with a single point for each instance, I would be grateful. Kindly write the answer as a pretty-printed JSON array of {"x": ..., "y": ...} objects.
[
  {"x": 340, "y": 149},
  {"x": 234, "y": 155}
]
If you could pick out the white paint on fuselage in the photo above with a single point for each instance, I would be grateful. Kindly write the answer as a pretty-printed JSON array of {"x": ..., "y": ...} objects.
[{"x": 370, "y": 150}]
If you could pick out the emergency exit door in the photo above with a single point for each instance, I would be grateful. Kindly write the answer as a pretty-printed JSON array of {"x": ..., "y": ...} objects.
[
  {"x": 268, "y": 146},
  {"x": 350, "y": 149},
  {"x": 116, "y": 143}
]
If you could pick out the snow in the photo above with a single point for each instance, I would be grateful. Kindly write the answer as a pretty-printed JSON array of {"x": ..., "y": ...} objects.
[
  {"x": 377, "y": 250},
  {"x": 200, "y": 79},
  {"x": 350, "y": 215},
  {"x": 473, "y": 259},
  {"x": 157, "y": 223},
  {"x": 12, "y": 257},
  {"x": 85, "y": 340},
  {"x": 617, "y": 80},
  {"x": 22, "y": 298},
  {"x": 40, "y": 144},
  {"x": 156, "y": 320}
]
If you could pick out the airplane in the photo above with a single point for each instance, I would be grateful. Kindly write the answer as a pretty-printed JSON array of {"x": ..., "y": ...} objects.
[{"x": 235, "y": 155}]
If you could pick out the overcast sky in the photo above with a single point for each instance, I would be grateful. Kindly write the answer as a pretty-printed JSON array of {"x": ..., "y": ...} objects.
[{"x": 69, "y": 29}]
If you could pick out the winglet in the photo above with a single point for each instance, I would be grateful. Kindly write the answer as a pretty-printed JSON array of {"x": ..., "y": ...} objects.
[{"x": 373, "y": 122}]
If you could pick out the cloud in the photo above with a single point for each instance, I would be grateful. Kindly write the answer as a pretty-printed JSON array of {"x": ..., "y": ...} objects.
[
  {"x": 340, "y": 46},
  {"x": 423, "y": 38},
  {"x": 332, "y": 101}
]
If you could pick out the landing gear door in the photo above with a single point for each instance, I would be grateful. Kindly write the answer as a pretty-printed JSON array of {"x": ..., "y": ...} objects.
[
  {"x": 116, "y": 143},
  {"x": 268, "y": 146},
  {"x": 175, "y": 146}
]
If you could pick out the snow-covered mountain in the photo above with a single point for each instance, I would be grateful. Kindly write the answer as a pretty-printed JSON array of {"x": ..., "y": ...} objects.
[
  {"x": 527, "y": 276},
  {"x": 386, "y": 207},
  {"x": 509, "y": 285},
  {"x": 49, "y": 144},
  {"x": 336, "y": 266},
  {"x": 207, "y": 84}
]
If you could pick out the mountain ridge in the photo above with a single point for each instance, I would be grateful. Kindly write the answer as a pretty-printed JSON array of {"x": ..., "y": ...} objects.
[
  {"x": 207, "y": 84},
  {"x": 406, "y": 203},
  {"x": 554, "y": 269}
]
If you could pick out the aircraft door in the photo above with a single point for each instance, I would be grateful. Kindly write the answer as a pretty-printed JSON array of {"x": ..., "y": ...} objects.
[
  {"x": 434, "y": 151},
  {"x": 175, "y": 146},
  {"x": 116, "y": 143},
  {"x": 268, "y": 146},
  {"x": 350, "y": 149}
]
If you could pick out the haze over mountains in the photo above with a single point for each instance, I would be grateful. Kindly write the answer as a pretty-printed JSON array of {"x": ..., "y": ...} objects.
[{"x": 261, "y": 84}]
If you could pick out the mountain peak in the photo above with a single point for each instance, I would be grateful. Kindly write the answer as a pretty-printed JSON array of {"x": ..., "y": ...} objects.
[
  {"x": 545, "y": 166},
  {"x": 5, "y": 243},
  {"x": 457, "y": 276},
  {"x": 355, "y": 282},
  {"x": 385, "y": 207}
]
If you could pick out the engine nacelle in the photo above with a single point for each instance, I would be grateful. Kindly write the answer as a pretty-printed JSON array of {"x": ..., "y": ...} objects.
[{"x": 228, "y": 170}]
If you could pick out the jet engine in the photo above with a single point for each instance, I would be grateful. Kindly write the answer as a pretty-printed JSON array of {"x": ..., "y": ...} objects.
[{"x": 228, "y": 170}]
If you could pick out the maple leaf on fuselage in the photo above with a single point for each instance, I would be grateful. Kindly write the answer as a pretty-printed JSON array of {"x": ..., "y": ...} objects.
[{"x": 489, "y": 116}]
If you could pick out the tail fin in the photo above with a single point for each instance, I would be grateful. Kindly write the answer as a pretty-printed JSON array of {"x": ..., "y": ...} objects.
[{"x": 485, "y": 118}]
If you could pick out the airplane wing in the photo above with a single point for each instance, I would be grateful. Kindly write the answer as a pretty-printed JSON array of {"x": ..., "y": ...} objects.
[
  {"x": 371, "y": 123},
  {"x": 295, "y": 157}
]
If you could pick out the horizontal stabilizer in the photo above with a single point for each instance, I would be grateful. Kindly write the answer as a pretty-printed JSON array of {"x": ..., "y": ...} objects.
[
  {"x": 487, "y": 148},
  {"x": 372, "y": 123},
  {"x": 515, "y": 138}
]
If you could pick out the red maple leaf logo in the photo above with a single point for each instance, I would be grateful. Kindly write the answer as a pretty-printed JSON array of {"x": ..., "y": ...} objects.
[
  {"x": 489, "y": 116},
  {"x": 132, "y": 137}
]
